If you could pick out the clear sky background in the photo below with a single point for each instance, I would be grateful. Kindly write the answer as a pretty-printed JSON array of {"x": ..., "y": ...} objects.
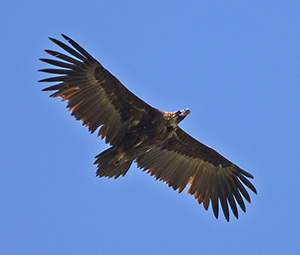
[{"x": 235, "y": 64}]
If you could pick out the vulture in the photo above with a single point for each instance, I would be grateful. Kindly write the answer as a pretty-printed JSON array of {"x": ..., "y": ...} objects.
[{"x": 139, "y": 132}]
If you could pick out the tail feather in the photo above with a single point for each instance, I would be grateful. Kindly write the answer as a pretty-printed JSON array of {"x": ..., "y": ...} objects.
[{"x": 111, "y": 163}]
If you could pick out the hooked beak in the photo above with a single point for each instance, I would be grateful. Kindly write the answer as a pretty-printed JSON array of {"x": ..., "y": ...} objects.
[
  {"x": 187, "y": 111},
  {"x": 183, "y": 114}
]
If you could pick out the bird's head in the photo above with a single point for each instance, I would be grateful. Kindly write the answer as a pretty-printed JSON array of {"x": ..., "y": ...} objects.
[{"x": 178, "y": 116}]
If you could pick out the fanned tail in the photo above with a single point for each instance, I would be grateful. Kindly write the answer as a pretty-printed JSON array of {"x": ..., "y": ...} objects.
[{"x": 112, "y": 163}]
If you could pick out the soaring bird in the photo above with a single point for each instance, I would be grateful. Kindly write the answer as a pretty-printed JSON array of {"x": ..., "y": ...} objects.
[{"x": 139, "y": 132}]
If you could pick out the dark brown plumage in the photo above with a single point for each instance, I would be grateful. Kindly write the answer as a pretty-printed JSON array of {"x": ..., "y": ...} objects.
[{"x": 142, "y": 133}]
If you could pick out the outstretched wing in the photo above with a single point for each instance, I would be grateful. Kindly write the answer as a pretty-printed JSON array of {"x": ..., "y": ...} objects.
[
  {"x": 183, "y": 160},
  {"x": 94, "y": 95}
]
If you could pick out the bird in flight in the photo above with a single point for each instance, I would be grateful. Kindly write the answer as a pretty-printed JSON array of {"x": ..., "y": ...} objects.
[{"x": 139, "y": 132}]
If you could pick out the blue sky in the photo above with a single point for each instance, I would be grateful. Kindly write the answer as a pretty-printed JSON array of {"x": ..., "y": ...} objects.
[{"x": 234, "y": 64}]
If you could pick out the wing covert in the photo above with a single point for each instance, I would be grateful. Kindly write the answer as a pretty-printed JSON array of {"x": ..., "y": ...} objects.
[
  {"x": 94, "y": 95},
  {"x": 182, "y": 161}
]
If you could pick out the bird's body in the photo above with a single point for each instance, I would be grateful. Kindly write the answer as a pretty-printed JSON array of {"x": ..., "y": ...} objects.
[
  {"x": 152, "y": 130},
  {"x": 139, "y": 132}
]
